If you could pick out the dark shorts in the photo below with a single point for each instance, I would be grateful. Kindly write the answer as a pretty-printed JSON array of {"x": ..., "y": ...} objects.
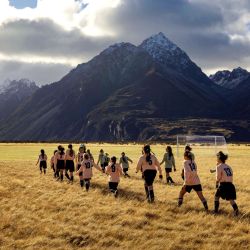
[
  {"x": 43, "y": 164},
  {"x": 125, "y": 170},
  {"x": 226, "y": 191},
  {"x": 149, "y": 176},
  {"x": 168, "y": 170},
  {"x": 70, "y": 166},
  {"x": 189, "y": 188},
  {"x": 113, "y": 185},
  {"x": 78, "y": 167},
  {"x": 60, "y": 164},
  {"x": 103, "y": 167}
]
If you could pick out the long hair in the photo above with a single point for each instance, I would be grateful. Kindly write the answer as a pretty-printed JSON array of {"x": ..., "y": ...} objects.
[
  {"x": 170, "y": 152},
  {"x": 222, "y": 157},
  {"x": 147, "y": 152},
  {"x": 188, "y": 155},
  {"x": 42, "y": 153},
  {"x": 71, "y": 152}
]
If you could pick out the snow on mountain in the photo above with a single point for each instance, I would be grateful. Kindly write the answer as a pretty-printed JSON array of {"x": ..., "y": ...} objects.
[
  {"x": 230, "y": 79},
  {"x": 165, "y": 51}
]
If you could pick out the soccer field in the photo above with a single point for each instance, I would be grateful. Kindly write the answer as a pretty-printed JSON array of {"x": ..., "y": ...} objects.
[{"x": 38, "y": 212}]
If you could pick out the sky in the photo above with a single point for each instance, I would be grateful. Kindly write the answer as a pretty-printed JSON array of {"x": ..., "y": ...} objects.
[{"x": 42, "y": 40}]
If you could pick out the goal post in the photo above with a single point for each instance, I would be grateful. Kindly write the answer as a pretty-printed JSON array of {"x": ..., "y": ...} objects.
[{"x": 208, "y": 145}]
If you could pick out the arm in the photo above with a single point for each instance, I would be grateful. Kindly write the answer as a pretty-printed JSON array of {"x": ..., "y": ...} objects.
[
  {"x": 120, "y": 170},
  {"x": 79, "y": 170},
  {"x": 120, "y": 162},
  {"x": 163, "y": 160},
  {"x": 173, "y": 161},
  {"x": 130, "y": 160},
  {"x": 182, "y": 173},
  {"x": 159, "y": 167},
  {"x": 139, "y": 166},
  {"x": 97, "y": 167},
  {"x": 218, "y": 177},
  {"x": 98, "y": 160}
]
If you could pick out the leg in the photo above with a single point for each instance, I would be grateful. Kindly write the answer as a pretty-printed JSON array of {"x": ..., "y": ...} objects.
[
  {"x": 146, "y": 190},
  {"x": 202, "y": 198},
  {"x": 71, "y": 177},
  {"x": 44, "y": 170},
  {"x": 87, "y": 184},
  {"x": 61, "y": 174},
  {"x": 167, "y": 176},
  {"x": 81, "y": 181},
  {"x": 41, "y": 169},
  {"x": 181, "y": 195},
  {"x": 235, "y": 207},
  {"x": 151, "y": 196}
]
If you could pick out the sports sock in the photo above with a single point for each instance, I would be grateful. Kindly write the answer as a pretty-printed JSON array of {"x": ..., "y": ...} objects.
[
  {"x": 87, "y": 184},
  {"x": 205, "y": 204},
  {"x": 67, "y": 175},
  {"x": 216, "y": 206},
  {"x": 81, "y": 183},
  {"x": 146, "y": 190},
  {"x": 180, "y": 201},
  {"x": 235, "y": 207},
  {"x": 171, "y": 180},
  {"x": 61, "y": 177}
]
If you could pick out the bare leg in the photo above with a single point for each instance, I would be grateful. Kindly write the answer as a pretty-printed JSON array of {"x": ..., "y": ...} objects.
[
  {"x": 181, "y": 195},
  {"x": 203, "y": 199}
]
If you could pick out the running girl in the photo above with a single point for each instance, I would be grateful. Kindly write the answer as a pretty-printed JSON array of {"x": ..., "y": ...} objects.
[
  {"x": 169, "y": 163},
  {"x": 149, "y": 165},
  {"x": 42, "y": 158},
  {"x": 101, "y": 160},
  {"x": 52, "y": 164},
  {"x": 124, "y": 161},
  {"x": 59, "y": 161},
  {"x": 191, "y": 180},
  {"x": 79, "y": 159},
  {"x": 86, "y": 170},
  {"x": 114, "y": 170},
  {"x": 70, "y": 166},
  {"x": 224, "y": 183}
]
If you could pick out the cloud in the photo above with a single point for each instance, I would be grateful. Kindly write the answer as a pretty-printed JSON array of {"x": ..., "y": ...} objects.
[{"x": 41, "y": 73}]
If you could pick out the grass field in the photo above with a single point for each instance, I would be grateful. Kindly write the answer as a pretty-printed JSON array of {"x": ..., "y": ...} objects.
[{"x": 37, "y": 212}]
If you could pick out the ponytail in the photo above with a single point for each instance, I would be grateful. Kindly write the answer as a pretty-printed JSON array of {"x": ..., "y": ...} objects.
[
  {"x": 71, "y": 152},
  {"x": 147, "y": 151}
]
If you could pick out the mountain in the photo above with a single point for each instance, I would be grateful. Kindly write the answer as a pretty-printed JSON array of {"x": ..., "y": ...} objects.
[
  {"x": 230, "y": 79},
  {"x": 13, "y": 93},
  {"x": 147, "y": 92}
]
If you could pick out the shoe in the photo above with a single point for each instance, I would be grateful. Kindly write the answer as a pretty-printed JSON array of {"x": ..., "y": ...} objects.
[{"x": 116, "y": 193}]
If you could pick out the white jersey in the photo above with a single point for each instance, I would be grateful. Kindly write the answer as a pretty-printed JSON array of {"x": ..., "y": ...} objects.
[
  {"x": 43, "y": 158},
  {"x": 190, "y": 173},
  {"x": 224, "y": 173}
]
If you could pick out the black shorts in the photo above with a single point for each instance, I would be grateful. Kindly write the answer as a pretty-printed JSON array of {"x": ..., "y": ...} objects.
[
  {"x": 43, "y": 164},
  {"x": 125, "y": 170},
  {"x": 189, "y": 188},
  {"x": 78, "y": 167},
  {"x": 70, "y": 166},
  {"x": 168, "y": 170},
  {"x": 149, "y": 176},
  {"x": 103, "y": 166},
  {"x": 113, "y": 185},
  {"x": 226, "y": 191},
  {"x": 60, "y": 164}
]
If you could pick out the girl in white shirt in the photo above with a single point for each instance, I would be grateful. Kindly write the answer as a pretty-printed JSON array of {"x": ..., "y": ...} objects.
[
  {"x": 224, "y": 183},
  {"x": 42, "y": 158},
  {"x": 191, "y": 180}
]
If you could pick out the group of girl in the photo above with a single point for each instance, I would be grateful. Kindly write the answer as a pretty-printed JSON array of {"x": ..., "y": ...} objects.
[{"x": 148, "y": 164}]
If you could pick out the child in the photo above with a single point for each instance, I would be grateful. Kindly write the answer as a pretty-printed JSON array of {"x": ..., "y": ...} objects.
[
  {"x": 52, "y": 164},
  {"x": 169, "y": 163},
  {"x": 90, "y": 155},
  {"x": 42, "y": 158},
  {"x": 114, "y": 170},
  {"x": 101, "y": 160},
  {"x": 59, "y": 161},
  {"x": 86, "y": 170},
  {"x": 124, "y": 160},
  {"x": 149, "y": 165},
  {"x": 79, "y": 159},
  {"x": 70, "y": 166},
  {"x": 191, "y": 180},
  {"x": 224, "y": 183},
  {"x": 189, "y": 149}
]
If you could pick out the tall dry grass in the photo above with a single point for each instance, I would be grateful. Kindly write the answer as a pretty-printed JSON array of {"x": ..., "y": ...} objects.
[{"x": 36, "y": 212}]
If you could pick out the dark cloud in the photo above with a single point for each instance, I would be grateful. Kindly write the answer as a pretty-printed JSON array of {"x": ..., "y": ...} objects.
[
  {"x": 45, "y": 38},
  {"x": 41, "y": 73}
]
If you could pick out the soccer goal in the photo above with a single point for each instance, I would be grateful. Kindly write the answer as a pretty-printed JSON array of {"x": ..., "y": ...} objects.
[{"x": 201, "y": 145}]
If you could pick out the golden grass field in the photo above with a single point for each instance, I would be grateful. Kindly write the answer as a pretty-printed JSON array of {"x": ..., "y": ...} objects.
[{"x": 37, "y": 212}]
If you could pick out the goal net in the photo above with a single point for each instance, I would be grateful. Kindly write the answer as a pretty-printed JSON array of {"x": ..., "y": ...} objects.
[{"x": 201, "y": 145}]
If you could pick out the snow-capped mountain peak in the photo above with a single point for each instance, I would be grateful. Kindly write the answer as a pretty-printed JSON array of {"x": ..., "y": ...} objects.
[
  {"x": 230, "y": 79},
  {"x": 128, "y": 46}
]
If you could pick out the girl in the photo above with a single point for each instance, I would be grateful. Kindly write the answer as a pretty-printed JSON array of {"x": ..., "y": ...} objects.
[
  {"x": 149, "y": 164},
  {"x": 79, "y": 159},
  {"x": 169, "y": 163},
  {"x": 102, "y": 160},
  {"x": 70, "y": 166},
  {"x": 52, "y": 164},
  {"x": 114, "y": 170},
  {"x": 90, "y": 155},
  {"x": 191, "y": 180},
  {"x": 124, "y": 160},
  {"x": 189, "y": 149},
  {"x": 224, "y": 183},
  {"x": 42, "y": 158},
  {"x": 59, "y": 161},
  {"x": 86, "y": 170}
]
